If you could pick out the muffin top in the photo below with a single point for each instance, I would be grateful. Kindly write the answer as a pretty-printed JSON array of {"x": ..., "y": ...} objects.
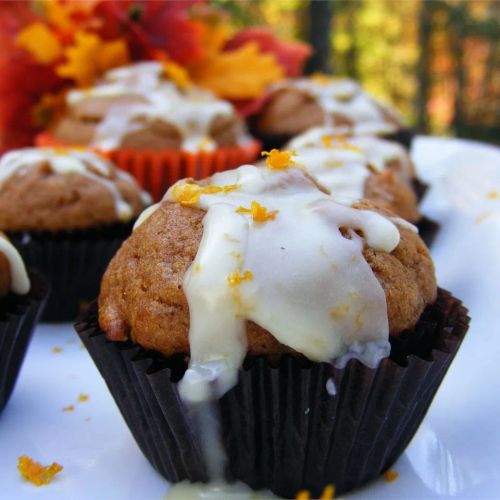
[
  {"x": 62, "y": 188},
  {"x": 296, "y": 105},
  {"x": 351, "y": 168},
  {"x": 136, "y": 107},
  {"x": 262, "y": 261},
  {"x": 13, "y": 275}
]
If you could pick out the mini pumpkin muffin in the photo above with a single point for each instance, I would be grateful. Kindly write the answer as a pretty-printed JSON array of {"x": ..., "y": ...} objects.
[
  {"x": 365, "y": 166},
  {"x": 67, "y": 211},
  {"x": 358, "y": 167},
  {"x": 296, "y": 105},
  {"x": 22, "y": 298},
  {"x": 140, "y": 117},
  {"x": 307, "y": 322}
]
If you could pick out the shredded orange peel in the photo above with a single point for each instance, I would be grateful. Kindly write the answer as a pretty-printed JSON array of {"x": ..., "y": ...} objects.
[
  {"x": 279, "y": 160},
  {"x": 189, "y": 194},
  {"x": 330, "y": 141},
  {"x": 258, "y": 212},
  {"x": 328, "y": 494},
  {"x": 236, "y": 278},
  {"x": 391, "y": 475},
  {"x": 36, "y": 473}
]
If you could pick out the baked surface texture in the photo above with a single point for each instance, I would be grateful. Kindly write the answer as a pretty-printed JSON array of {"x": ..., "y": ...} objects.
[
  {"x": 142, "y": 293},
  {"x": 37, "y": 198}
]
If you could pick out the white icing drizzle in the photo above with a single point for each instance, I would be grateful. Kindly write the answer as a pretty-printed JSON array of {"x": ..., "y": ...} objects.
[
  {"x": 215, "y": 490},
  {"x": 192, "y": 111},
  {"x": 342, "y": 165},
  {"x": 294, "y": 275},
  {"x": 346, "y": 98},
  {"x": 20, "y": 282},
  {"x": 378, "y": 152},
  {"x": 66, "y": 161}
]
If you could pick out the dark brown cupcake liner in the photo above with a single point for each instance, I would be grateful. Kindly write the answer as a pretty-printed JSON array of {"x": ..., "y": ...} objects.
[
  {"x": 427, "y": 229},
  {"x": 280, "y": 428},
  {"x": 19, "y": 315},
  {"x": 73, "y": 263}
]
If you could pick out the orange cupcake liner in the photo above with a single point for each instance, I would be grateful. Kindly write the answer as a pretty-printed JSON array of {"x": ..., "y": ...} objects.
[{"x": 156, "y": 171}]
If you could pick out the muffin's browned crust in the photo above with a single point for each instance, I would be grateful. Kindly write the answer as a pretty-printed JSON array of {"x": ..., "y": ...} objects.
[
  {"x": 291, "y": 111},
  {"x": 389, "y": 191},
  {"x": 142, "y": 295},
  {"x": 78, "y": 126},
  {"x": 36, "y": 198}
]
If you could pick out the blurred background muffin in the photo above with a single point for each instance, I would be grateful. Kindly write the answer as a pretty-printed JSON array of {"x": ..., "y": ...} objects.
[
  {"x": 145, "y": 122},
  {"x": 294, "y": 106},
  {"x": 67, "y": 211}
]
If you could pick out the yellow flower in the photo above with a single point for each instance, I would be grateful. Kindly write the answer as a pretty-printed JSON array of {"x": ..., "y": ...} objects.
[
  {"x": 236, "y": 278},
  {"x": 258, "y": 212},
  {"x": 278, "y": 160},
  {"x": 90, "y": 56},
  {"x": 40, "y": 42},
  {"x": 242, "y": 73},
  {"x": 177, "y": 74}
]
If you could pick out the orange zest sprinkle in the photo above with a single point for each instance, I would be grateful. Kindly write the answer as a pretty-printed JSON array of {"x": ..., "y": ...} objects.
[
  {"x": 328, "y": 494},
  {"x": 189, "y": 194},
  {"x": 177, "y": 74},
  {"x": 322, "y": 78},
  {"x": 493, "y": 195},
  {"x": 330, "y": 141},
  {"x": 56, "y": 350},
  {"x": 303, "y": 495},
  {"x": 390, "y": 475},
  {"x": 258, "y": 212},
  {"x": 82, "y": 398},
  {"x": 327, "y": 141},
  {"x": 69, "y": 408},
  {"x": 36, "y": 473},
  {"x": 236, "y": 278},
  {"x": 278, "y": 160}
]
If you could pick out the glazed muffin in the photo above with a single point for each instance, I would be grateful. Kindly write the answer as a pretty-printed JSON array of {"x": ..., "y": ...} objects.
[
  {"x": 296, "y": 105},
  {"x": 67, "y": 211},
  {"x": 292, "y": 311},
  {"x": 358, "y": 167},
  {"x": 136, "y": 107},
  {"x": 22, "y": 298},
  {"x": 152, "y": 128}
]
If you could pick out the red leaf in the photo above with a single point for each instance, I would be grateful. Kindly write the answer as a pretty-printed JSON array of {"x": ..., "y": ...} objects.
[{"x": 153, "y": 24}]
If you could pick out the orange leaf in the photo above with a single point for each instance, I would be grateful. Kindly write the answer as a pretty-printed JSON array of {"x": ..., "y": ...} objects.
[
  {"x": 243, "y": 73},
  {"x": 90, "y": 56}
]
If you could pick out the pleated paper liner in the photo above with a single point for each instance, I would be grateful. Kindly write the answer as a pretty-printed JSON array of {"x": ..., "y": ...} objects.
[
  {"x": 19, "y": 315},
  {"x": 156, "y": 171},
  {"x": 269, "y": 141},
  {"x": 281, "y": 429},
  {"x": 73, "y": 263}
]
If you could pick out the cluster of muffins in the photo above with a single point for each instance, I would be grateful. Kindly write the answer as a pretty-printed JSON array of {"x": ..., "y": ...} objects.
[
  {"x": 152, "y": 128},
  {"x": 293, "y": 294}
]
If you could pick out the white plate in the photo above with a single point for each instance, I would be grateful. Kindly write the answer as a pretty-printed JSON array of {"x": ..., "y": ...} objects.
[{"x": 456, "y": 452}]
